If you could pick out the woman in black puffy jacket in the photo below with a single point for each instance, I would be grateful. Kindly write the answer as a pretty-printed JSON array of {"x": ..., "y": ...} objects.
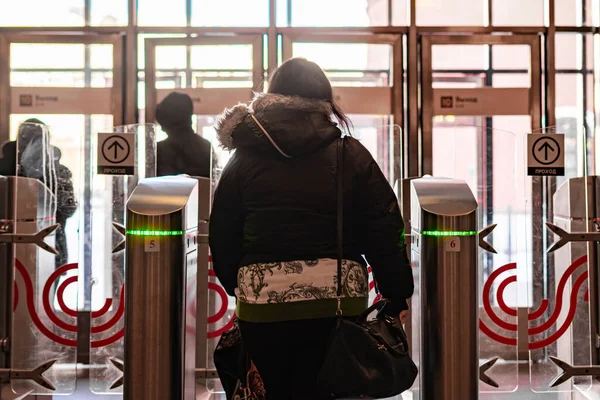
[{"x": 273, "y": 227}]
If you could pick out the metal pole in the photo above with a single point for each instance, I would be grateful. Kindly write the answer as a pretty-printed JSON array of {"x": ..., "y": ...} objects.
[
  {"x": 161, "y": 254},
  {"x": 446, "y": 252},
  {"x": 6, "y": 276}
]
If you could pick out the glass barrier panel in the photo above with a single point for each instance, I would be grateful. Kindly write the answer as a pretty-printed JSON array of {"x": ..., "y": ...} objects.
[
  {"x": 108, "y": 209},
  {"x": 45, "y": 325},
  {"x": 494, "y": 181},
  {"x": 559, "y": 321}
]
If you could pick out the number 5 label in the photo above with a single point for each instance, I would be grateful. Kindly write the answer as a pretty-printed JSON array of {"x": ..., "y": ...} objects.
[
  {"x": 452, "y": 244},
  {"x": 151, "y": 244}
]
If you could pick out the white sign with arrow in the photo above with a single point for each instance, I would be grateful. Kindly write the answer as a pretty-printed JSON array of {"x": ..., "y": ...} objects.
[
  {"x": 545, "y": 154},
  {"x": 116, "y": 153}
]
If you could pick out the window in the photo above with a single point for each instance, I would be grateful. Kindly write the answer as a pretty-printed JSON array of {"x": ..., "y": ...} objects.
[
  {"x": 518, "y": 12},
  {"x": 41, "y": 13},
  {"x": 576, "y": 12},
  {"x": 451, "y": 12},
  {"x": 333, "y": 13},
  {"x": 109, "y": 12},
  {"x": 161, "y": 13},
  {"x": 219, "y": 13}
]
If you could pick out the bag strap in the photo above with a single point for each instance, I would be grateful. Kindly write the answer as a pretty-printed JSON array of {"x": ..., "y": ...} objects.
[{"x": 340, "y": 221}]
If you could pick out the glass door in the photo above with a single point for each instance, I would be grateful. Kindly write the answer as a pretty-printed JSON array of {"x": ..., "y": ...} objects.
[
  {"x": 481, "y": 97},
  {"x": 368, "y": 86},
  {"x": 217, "y": 73},
  {"x": 68, "y": 87}
]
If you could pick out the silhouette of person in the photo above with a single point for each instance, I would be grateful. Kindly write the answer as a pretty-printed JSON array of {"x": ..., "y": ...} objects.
[
  {"x": 41, "y": 161},
  {"x": 183, "y": 152}
]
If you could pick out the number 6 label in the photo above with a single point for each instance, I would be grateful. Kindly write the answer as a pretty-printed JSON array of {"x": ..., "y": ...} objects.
[{"x": 452, "y": 244}]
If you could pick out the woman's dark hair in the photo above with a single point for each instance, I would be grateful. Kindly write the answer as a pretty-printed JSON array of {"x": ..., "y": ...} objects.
[{"x": 303, "y": 78}]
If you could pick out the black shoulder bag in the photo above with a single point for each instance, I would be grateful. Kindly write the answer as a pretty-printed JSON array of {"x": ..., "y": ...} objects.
[{"x": 366, "y": 358}]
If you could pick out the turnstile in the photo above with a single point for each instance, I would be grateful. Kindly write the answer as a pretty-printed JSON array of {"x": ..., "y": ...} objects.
[
  {"x": 161, "y": 245},
  {"x": 444, "y": 252}
]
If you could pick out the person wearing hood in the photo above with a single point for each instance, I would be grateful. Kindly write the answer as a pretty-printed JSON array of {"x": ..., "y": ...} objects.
[
  {"x": 40, "y": 160},
  {"x": 183, "y": 152},
  {"x": 273, "y": 227}
]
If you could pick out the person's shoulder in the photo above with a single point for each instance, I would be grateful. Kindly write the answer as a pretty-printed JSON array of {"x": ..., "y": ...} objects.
[{"x": 354, "y": 148}]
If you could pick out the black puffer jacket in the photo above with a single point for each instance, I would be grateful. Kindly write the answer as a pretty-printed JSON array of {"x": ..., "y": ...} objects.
[{"x": 270, "y": 208}]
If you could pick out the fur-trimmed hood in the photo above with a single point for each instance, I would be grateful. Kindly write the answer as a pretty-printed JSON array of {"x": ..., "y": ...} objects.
[{"x": 296, "y": 125}]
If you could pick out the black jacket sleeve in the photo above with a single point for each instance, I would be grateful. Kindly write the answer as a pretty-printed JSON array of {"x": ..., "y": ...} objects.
[
  {"x": 226, "y": 228},
  {"x": 384, "y": 247}
]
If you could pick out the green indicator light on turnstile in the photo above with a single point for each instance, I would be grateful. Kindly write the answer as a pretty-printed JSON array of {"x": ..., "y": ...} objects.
[
  {"x": 154, "y": 233},
  {"x": 449, "y": 233}
]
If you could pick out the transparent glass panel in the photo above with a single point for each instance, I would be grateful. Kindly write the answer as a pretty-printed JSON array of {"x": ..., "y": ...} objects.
[
  {"x": 170, "y": 57},
  {"x": 101, "y": 56},
  {"x": 40, "y": 13},
  {"x": 453, "y": 80},
  {"x": 569, "y": 54},
  {"x": 218, "y": 13},
  {"x": 355, "y": 13},
  {"x": 485, "y": 158},
  {"x": 369, "y": 66},
  {"x": 400, "y": 12},
  {"x": 518, "y": 13},
  {"x": 47, "y": 56},
  {"x": 559, "y": 320},
  {"x": 101, "y": 79},
  {"x": 462, "y": 57},
  {"x": 108, "y": 209},
  {"x": 161, "y": 13},
  {"x": 141, "y": 60},
  {"x": 511, "y": 80},
  {"x": 109, "y": 12},
  {"x": 572, "y": 115},
  {"x": 47, "y": 79},
  {"x": 45, "y": 324},
  {"x": 511, "y": 57},
  {"x": 451, "y": 13},
  {"x": 576, "y": 12},
  {"x": 219, "y": 57}
]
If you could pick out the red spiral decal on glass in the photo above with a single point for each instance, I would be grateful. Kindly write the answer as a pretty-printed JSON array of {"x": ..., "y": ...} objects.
[
  {"x": 536, "y": 314},
  {"x": 60, "y": 297},
  {"x": 222, "y": 310}
]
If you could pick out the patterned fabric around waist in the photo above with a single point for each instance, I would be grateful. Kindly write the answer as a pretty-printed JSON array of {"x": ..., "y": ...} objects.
[{"x": 295, "y": 281}]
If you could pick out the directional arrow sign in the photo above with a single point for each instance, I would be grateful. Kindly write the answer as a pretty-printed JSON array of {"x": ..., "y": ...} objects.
[
  {"x": 546, "y": 156},
  {"x": 116, "y": 153},
  {"x": 544, "y": 147},
  {"x": 119, "y": 150}
]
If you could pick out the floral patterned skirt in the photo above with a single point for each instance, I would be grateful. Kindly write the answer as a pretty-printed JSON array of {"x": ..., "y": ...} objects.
[{"x": 291, "y": 290}]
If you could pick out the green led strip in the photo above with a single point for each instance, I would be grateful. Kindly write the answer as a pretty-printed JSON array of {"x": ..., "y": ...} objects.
[
  {"x": 154, "y": 233},
  {"x": 448, "y": 233}
]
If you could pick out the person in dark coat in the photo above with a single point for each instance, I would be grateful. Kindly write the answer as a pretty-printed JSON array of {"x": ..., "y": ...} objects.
[
  {"x": 41, "y": 161},
  {"x": 273, "y": 227},
  {"x": 183, "y": 152}
]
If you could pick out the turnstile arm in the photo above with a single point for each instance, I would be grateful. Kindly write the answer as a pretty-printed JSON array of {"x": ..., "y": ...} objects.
[
  {"x": 36, "y": 375},
  {"x": 36, "y": 238}
]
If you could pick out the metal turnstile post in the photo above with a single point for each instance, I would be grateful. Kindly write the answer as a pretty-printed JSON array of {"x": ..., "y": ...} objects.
[
  {"x": 444, "y": 248},
  {"x": 161, "y": 261}
]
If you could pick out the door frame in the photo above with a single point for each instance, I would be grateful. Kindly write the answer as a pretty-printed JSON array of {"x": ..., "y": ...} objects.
[
  {"x": 116, "y": 91},
  {"x": 427, "y": 42},
  {"x": 219, "y": 99},
  {"x": 244, "y": 94},
  {"x": 535, "y": 113}
]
